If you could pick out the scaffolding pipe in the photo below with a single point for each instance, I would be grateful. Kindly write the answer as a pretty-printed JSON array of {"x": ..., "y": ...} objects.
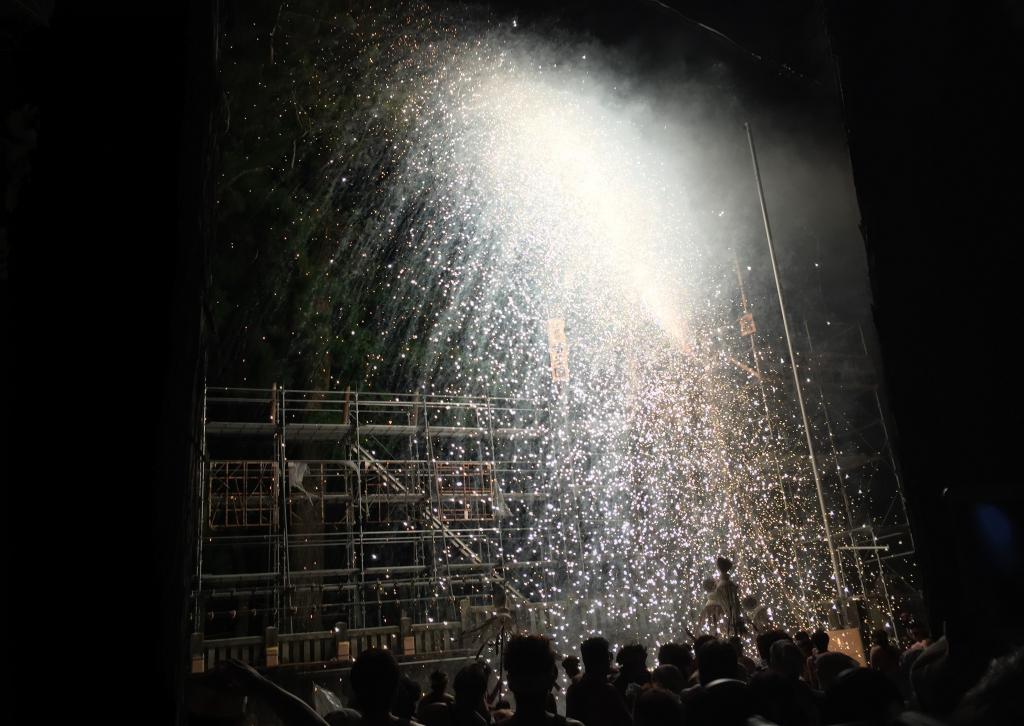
[
  {"x": 837, "y": 574},
  {"x": 200, "y": 516}
]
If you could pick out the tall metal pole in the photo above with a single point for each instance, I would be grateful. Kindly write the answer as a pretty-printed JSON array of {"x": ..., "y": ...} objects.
[
  {"x": 796, "y": 381},
  {"x": 204, "y": 469},
  {"x": 282, "y": 457}
]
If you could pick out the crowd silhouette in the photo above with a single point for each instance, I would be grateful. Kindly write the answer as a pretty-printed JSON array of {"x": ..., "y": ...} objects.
[{"x": 797, "y": 681}]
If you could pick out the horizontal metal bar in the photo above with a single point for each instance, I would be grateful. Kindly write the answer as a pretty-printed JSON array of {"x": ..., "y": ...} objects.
[
  {"x": 901, "y": 553},
  {"x": 332, "y": 572},
  {"x": 312, "y": 635},
  {"x": 236, "y": 642},
  {"x": 241, "y": 577},
  {"x": 336, "y": 432},
  {"x": 350, "y": 586}
]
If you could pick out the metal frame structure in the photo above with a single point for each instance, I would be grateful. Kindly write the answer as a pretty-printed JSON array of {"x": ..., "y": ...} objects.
[
  {"x": 838, "y": 445},
  {"x": 369, "y": 510},
  {"x": 335, "y": 520},
  {"x": 871, "y": 529}
]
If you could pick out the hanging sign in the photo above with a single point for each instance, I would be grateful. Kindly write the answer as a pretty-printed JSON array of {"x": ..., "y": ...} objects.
[
  {"x": 558, "y": 348},
  {"x": 747, "y": 326}
]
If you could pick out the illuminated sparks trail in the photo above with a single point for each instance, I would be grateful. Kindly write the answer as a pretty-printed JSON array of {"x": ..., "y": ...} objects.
[{"x": 484, "y": 183}]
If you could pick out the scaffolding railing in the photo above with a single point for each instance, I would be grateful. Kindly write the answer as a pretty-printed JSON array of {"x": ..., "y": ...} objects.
[
  {"x": 872, "y": 532},
  {"x": 366, "y": 508}
]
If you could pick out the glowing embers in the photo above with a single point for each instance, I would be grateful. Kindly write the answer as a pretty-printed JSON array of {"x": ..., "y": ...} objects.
[{"x": 506, "y": 185}]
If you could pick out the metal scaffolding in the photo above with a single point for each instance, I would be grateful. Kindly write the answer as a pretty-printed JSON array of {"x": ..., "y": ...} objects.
[
  {"x": 324, "y": 507},
  {"x": 335, "y": 520},
  {"x": 870, "y": 526}
]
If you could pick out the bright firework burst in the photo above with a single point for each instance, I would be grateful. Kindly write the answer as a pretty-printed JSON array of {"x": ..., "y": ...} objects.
[{"x": 483, "y": 183}]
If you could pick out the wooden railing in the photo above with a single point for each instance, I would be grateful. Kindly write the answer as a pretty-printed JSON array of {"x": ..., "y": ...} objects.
[{"x": 408, "y": 641}]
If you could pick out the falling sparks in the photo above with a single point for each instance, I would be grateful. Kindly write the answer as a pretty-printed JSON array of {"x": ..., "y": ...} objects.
[{"x": 482, "y": 183}]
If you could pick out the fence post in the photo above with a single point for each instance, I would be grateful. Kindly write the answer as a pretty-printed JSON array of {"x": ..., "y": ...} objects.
[
  {"x": 453, "y": 637},
  {"x": 197, "y": 650},
  {"x": 341, "y": 641},
  {"x": 271, "y": 647},
  {"x": 405, "y": 636}
]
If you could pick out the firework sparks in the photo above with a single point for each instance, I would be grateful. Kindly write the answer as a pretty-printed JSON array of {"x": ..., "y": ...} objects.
[{"x": 484, "y": 183}]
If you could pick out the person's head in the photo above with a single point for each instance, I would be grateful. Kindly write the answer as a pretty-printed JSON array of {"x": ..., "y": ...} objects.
[
  {"x": 632, "y": 658},
  {"x": 880, "y": 637},
  {"x": 374, "y": 680},
  {"x": 530, "y": 664},
  {"x": 597, "y": 656},
  {"x": 819, "y": 639},
  {"x": 678, "y": 655},
  {"x": 658, "y": 708},
  {"x": 669, "y": 678},
  {"x": 786, "y": 659},
  {"x": 803, "y": 642},
  {"x": 765, "y": 640},
  {"x": 701, "y": 641},
  {"x": 571, "y": 666},
  {"x": 829, "y": 665},
  {"x": 716, "y": 660},
  {"x": 996, "y": 699},
  {"x": 470, "y": 685},
  {"x": 774, "y": 697},
  {"x": 862, "y": 695},
  {"x": 438, "y": 681}
]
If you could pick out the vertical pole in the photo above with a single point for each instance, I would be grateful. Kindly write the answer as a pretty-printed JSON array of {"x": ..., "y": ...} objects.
[
  {"x": 562, "y": 393},
  {"x": 274, "y": 524},
  {"x": 359, "y": 601},
  {"x": 285, "y": 493},
  {"x": 418, "y": 601},
  {"x": 796, "y": 381},
  {"x": 342, "y": 646},
  {"x": 497, "y": 496},
  {"x": 197, "y": 652},
  {"x": 200, "y": 516},
  {"x": 271, "y": 647},
  {"x": 434, "y": 496}
]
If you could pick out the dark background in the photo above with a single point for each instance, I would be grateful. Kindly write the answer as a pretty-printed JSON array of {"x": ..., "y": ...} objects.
[{"x": 107, "y": 238}]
